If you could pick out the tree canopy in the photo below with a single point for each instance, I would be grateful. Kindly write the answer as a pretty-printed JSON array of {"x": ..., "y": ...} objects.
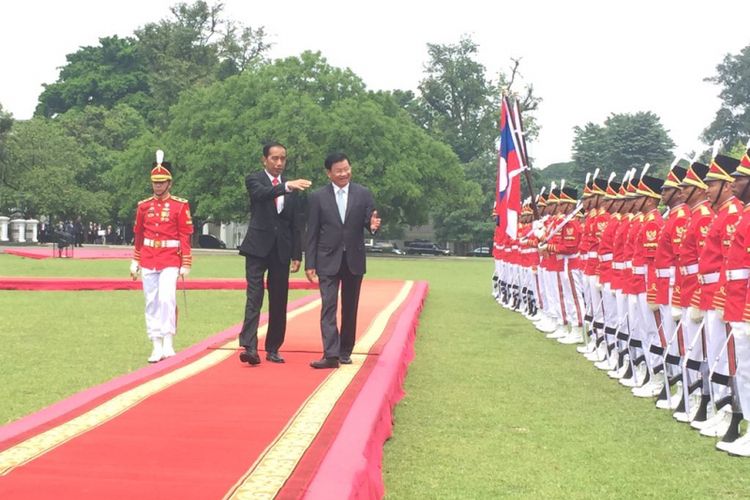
[
  {"x": 313, "y": 108},
  {"x": 624, "y": 141},
  {"x": 732, "y": 121}
]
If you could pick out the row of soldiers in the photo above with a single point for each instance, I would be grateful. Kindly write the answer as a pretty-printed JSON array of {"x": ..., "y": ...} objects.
[{"x": 657, "y": 300}]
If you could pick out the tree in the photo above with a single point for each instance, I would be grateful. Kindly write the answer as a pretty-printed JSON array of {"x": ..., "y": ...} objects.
[
  {"x": 732, "y": 121},
  {"x": 312, "y": 108},
  {"x": 460, "y": 106},
  {"x": 624, "y": 141},
  {"x": 45, "y": 162},
  {"x": 195, "y": 46},
  {"x": 6, "y": 123},
  {"x": 104, "y": 75},
  {"x": 457, "y": 102}
]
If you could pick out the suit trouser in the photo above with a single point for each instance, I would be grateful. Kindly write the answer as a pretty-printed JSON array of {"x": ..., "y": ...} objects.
[
  {"x": 339, "y": 342},
  {"x": 160, "y": 289},
  {"x": 278, "y": 290}
]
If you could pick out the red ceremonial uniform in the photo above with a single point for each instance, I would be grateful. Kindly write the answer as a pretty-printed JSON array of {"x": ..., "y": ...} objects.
[
  {"x": 653, "y": 224},
  {"x": 636, "y": 282},
  {"x": 667, "y": 251},
  {"x": 606, "y": 248},
  {"x": 162, "y": 230},
  {"x": 619, "y": 275},
  {"x": 735, "y": 270},
  {"x": 701, "y": 217},
  {"x": 714, "y": 251}
]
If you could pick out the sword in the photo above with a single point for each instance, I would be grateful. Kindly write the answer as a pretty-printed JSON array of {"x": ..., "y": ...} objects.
[
  {"x": 184, "y": 293},
  {"x": 714, "y": 367},
  {"x": 684, "y": 367}
]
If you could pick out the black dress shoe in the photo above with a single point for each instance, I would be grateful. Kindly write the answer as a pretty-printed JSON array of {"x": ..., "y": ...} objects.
[
  {"x": 325, "y": 363},
  {"x": 345, "y": 360},
  {"x": 250, "y": 357},
  {"x": 274, "y": 357}
]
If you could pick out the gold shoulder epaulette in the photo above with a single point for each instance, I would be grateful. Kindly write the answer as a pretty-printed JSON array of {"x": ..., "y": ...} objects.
[
  {"x": 181, "y": 200},
  {"x": 681, "y": 212},
  {"x": 650, "y": 217},
  {"x": 733, "y": 209},
  {"x": 705, "y": 210}
]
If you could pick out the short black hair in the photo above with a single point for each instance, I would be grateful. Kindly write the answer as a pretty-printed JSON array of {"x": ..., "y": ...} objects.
[
  {"x": 335, "y": 158},
  {"x": 271, "y": 144}
]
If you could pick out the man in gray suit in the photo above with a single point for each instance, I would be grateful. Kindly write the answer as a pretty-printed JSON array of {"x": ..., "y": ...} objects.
[{"x": 337, "y": 217}]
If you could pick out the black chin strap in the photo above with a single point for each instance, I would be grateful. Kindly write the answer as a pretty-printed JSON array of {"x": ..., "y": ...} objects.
[{"x": 718, "y": 195}]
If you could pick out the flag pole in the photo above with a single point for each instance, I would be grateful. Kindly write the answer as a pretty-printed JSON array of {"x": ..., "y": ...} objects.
[{"x": 521, "y": 139}]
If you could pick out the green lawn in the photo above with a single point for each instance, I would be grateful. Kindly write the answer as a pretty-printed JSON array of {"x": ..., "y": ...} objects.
[{"x": 492, "y": 408}]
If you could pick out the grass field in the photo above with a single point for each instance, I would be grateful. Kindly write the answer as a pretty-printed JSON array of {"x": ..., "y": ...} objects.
[{"x": 492, "y": 408}]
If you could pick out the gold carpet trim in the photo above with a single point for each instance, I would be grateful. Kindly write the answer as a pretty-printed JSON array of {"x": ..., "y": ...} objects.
[
  {"x": 274, "y": 466},
  {"x": 40, "y": 444}
]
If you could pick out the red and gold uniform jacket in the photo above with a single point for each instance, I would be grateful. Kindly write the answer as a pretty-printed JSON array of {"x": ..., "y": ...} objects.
[
  {"x": 635, "y": 282},
  {"x": 565, "y": 244},
  {"x": 701, "y": 217},
  {"x": 162, "y": 230},
  {"x": 619, "y": 274},
  {"x": 735, "y": 270},
  {"x": 606, "y": 248},
  {"x": 645, "y": 253},
  {"x": 715, "y": 249},
  {"x": 598, "y": 224},
  {"x": 667, "y": 250}
]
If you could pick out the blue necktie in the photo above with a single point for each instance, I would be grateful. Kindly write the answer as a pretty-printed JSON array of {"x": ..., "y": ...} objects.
[{"x": 341, "y": 202}]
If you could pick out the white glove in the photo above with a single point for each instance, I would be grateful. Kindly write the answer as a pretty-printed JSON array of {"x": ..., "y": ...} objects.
[
  {"x": 597, "y": 283},
  {"x": 542, "y": 247},
  {"x": 184, "y": 271},
  {"x": 676, "y": 313},
  {"x": 695, "y": 314},
  {"x": 538, "y": 228},
  {"x": 653, "y": 307},
  {"x": 135, "y": 267}
]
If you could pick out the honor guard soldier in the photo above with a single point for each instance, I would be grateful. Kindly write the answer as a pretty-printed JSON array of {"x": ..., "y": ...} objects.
[
  {"x": 736, "y": 314},
  {"x": 701, "y": 217},
  {"x": 644, "y": 276},
  {"x": 162, "y": 232},
  {"x": 665, "y": 276},
  {"x": 711, "y": 299}
]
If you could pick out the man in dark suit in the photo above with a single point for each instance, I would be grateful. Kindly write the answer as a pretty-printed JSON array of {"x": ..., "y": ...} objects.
[
  {"x": 272, "y": 241},
  {"x": 337, "y": 217}
]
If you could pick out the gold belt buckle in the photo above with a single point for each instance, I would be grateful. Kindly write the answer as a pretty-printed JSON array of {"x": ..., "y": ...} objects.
[{"x": 157, "y": 243}]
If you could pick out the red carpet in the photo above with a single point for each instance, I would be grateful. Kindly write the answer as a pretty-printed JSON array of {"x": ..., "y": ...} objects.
[
  {"x": 52, "y": 284},
  {"x": 203, "y": 425},
  {"x": 87, "y": 252}
]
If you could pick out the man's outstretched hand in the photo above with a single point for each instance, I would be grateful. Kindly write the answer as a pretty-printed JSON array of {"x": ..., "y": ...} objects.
[{"x": 298, "y": 184}]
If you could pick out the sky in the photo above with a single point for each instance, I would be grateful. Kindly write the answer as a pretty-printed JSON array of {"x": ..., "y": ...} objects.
[{"x": 585, "y": 59}]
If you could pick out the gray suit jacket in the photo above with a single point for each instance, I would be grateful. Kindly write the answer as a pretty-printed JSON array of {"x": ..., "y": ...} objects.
[{"x": 328, "y": 237}]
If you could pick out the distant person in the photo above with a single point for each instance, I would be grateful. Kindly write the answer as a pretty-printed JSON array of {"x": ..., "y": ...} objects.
[
  {"x": 163, "y": 227},
  {"x": 78, "y": 231},
  {"x": 273, "y": 240},
  {"x": 339, "y": 213}
]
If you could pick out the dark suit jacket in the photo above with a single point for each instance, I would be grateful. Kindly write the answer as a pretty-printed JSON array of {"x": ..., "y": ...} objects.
[
  {"x": 327, "y": 237},
  {"x": 266, "y": 227}
]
